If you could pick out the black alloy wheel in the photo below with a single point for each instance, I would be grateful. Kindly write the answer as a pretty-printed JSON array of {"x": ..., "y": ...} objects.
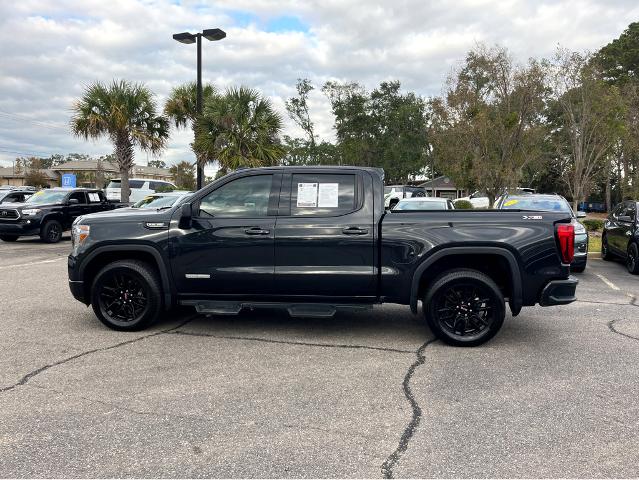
[
  {"x": 122, "y": 297},
  {"x": 632, "y": 259},
  {"x": 51, "y": 232},
  {"x": 127, "y": 295},
  {"x": 464, "y": 308}
]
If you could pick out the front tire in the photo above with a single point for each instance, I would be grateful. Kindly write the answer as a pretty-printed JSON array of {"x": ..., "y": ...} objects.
[
  {"x": 127, "y": 295},
  {"x": 51, "y": 232},
  {"x": 632, "y": 259},
  {"x": 8, "y": 238},
  {"x": 464, "y": 308}
]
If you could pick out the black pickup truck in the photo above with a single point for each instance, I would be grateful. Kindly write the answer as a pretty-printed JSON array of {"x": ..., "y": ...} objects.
[
  {"x": 315, "y": 240},
  {"x": 49, "y": 212}
]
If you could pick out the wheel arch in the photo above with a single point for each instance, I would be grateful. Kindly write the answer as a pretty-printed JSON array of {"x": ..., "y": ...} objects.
[
  {"x": 438, "y": 262},
  {"x": 102, "y": 256}
]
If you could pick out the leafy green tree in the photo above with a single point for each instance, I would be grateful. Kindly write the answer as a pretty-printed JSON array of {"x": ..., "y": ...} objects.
[
  {"x": 126, "y": 113},
  {"x": 489, "y": 124},
  {"x": 297, "y": 108},
  {"x": 589, "y": 120},
  {"x": 183, "y": 175},
  {"x": 399, "y": 131},
  {"x": 619, "y": 60},
  {"x": 384, "y": 128},
  {"x": 181, "y": 109},
  {"x": 240, "y": 129}
]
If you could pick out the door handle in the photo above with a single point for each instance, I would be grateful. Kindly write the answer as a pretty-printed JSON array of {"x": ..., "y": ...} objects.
[
  {"x": 256, "y": 231},
  {"x": 355, "y": 231}
]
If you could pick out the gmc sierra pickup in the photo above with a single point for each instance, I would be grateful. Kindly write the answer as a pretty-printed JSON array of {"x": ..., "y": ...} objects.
[{"x": 314, "y": 240}]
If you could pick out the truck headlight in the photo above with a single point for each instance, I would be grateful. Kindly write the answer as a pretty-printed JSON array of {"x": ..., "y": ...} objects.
[
  {"x": 29, "y": 212},
  {"x": 80, "y": 233}
]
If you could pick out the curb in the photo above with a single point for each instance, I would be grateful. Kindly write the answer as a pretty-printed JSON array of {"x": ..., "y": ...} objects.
[{"x": 594, "y": 255}]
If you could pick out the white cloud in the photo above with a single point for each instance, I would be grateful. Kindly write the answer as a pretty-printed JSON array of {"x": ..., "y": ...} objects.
[{"x": 51, "y": 50}]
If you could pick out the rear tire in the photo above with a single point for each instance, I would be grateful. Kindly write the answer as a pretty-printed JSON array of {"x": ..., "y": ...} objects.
[
  {"x": 51, "y": 232},
  {"x": 464, "y": 308},
  {"x": 127, "y": 295},
  {"x": 632, "y": 259},
  {"x": 605, "y": 249},
  {"x": 8, "y": 238}
]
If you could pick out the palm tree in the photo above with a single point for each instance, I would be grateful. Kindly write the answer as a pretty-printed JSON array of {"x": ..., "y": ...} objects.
[
  {"x": 180, "y": 107},
  {"x": 240, "y": 129},
  {"x": 126, "y": 113}
]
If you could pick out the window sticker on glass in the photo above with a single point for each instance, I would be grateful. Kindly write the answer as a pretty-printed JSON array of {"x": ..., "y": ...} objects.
[
  {"x": 307, "y": 194},
  {"x": 94, "y": 197},
  {"x": 328, "y": 195}
]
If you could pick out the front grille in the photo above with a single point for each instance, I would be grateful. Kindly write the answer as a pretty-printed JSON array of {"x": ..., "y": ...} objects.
[{"x": 9, "y": 214}]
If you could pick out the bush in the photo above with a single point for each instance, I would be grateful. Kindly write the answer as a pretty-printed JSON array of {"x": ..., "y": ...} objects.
[
  {"x": 463, "y": 205},
  {"x": 593, "y": 224},
  {"x": 164, "y": 189}
]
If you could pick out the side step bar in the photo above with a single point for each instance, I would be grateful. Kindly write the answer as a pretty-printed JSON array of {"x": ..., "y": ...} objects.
[{"x": 307, "y": 310}]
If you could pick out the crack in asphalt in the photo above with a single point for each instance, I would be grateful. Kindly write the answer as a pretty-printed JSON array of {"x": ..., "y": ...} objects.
[
  {"x": 611, "y": 323},
  {"x": 288, "y": 342},
  {"x": 611, "y": 326},
  {"x": 26, "y": 378},
  {"x": 393, "y": 459}
]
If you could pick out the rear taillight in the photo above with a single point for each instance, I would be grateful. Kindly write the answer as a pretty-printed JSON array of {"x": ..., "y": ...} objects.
[{"x": 566, "y": 237}]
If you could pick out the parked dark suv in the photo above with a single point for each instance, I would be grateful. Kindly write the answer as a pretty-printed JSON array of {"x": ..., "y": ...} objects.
[
  {"x": 620, "y": 235},
  {"x": 49, "y": 212}
]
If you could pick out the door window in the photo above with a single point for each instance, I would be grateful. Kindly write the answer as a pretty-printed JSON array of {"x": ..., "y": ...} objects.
[
  {"x": 323, "y": 194},
  {"x": 246, "y": 197},
  {"x": 79, "y": 196},
  {"x": 136, "y": 183}
]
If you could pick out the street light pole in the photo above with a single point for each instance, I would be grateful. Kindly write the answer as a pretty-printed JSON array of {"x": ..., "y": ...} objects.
[
  {"x": 211, "y": 34},
  {"x": 198, "y": 108}
]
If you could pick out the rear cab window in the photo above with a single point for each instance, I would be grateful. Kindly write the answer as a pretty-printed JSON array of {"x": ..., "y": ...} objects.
[{"x": 323, "y": 194}]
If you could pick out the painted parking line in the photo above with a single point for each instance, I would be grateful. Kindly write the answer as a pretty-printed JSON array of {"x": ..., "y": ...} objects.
[
  {"x": 607, "y": 282},
  {"x": 32, "y": 263}
]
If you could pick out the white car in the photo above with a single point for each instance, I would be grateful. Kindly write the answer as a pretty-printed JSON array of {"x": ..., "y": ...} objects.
[
  {"x": 140, "y": 188},
  {"x": 477, "y": 200},
  {"x": 424, "y": 203}
]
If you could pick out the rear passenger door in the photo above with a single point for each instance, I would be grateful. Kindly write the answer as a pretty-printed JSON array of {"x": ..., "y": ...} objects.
[{"x": 325, "y": 236}]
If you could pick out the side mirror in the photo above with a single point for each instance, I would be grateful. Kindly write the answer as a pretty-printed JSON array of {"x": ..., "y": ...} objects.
[
  {"x": 392, "y": 203},
  {"x": 73, "y": 201},
  {"x": 581, "y": 214},
  {"x": 624, "y": 218},
  {"x": 186, "y": 216}
]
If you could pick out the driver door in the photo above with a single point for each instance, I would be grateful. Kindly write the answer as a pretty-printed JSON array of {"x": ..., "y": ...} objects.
[{"x": 229, "y": 248}]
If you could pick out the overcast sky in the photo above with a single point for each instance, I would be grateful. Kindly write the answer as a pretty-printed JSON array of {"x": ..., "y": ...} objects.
[{"x": 49, "y": 50}]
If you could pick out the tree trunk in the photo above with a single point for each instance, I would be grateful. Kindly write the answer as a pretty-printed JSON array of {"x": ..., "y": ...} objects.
[
  {"x": 125, "y": 191},
  {"x": 608, "y": 192},
  {"x": 124, "y": 158}
]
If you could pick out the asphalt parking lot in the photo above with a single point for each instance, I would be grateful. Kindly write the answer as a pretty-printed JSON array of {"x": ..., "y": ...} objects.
[{"x": 360, "y": 395}]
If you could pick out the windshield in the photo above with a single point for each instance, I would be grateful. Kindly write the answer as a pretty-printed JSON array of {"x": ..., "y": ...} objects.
[
  {"x": 159, "y": 201},
  {"x": 114, "y": 184},
  {"x": 422, "y": 205},
  {"x": 47, "y": 196},
  {"x": 530, "y": 202}
]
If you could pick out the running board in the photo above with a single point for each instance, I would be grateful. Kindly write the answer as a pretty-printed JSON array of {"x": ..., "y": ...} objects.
[{"x": 307, "y": 310}]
